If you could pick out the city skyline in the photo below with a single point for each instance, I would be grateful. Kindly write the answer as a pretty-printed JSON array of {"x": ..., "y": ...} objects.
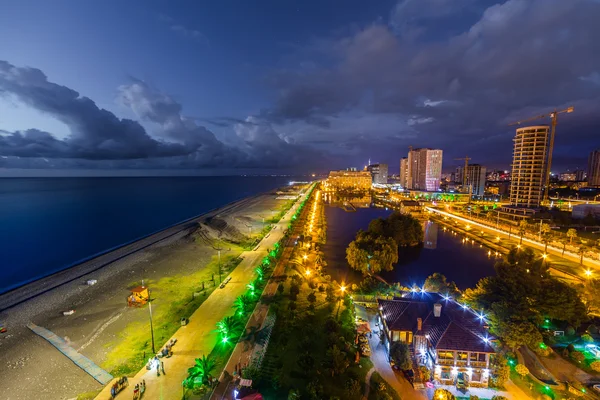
[{"x": 367, "y": 81}]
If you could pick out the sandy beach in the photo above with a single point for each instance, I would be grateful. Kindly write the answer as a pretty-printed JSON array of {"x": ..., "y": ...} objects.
[{"x": 32, "y": 368}]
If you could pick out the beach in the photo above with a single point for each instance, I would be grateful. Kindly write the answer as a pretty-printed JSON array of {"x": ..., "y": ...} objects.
[{"x": 35, "y": 369}]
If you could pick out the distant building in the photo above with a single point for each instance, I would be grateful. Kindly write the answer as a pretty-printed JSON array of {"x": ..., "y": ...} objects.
[
  {"x": 404, "y": 172},
  {"x": 593, "y": 172},
  {"x": 582, "y": 210},
  {"x": 475, "y": 179},
  {"x": 567, "y": 177},
  {"x": 349, "y": 180},
  {"x": 580, "y": 175},
  {"x": 424, "y": 169},
  {"x": 498, "y": 175},
  {"x": 529, "y": 166},
  {"x": 379, "y": 173}
]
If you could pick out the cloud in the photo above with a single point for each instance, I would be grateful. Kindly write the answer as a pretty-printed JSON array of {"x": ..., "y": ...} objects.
[
  {"x": 184, "y": 31},
  {"x": 454, "y": 88},
  {"x": 98, "y": 139},
  {"x": 95, "y": 133}
]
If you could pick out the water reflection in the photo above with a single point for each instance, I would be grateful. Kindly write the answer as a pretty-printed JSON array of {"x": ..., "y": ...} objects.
[
  {"x": 348, "y": 203},
  {"x": 442, "y": 251}
]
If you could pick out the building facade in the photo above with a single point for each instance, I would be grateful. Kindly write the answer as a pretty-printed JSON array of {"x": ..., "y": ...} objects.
[
  {"x": 404, "y": 172},
  {"x": 475, "y": 178},
  {"x": 447, "y": 338},
  {"x": 528, "y": 173},
  {"x": 424, "y": 169},
  {"x": 379, "y": 173},
  {"x": 593, "y": 172},
  {"x": 351, "y": 180}
]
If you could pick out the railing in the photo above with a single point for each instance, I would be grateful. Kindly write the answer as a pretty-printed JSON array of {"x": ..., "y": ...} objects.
[
  {"x": 446, "y": 361},
  {"x": 478, "y": 364}
]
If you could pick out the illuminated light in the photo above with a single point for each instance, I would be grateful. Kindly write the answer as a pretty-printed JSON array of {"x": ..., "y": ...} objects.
[
  {"x": 305, "y": 256},
  {"x": 413, "y": 289},
  {"x": 438, "y": 368},
  {"x": 343, "y": 288},
  {"x": 468, "y": 226},
  {"x": 481, "y": 316},
  {"x": 489, "y": 252},
  {"x": 544, "y": 256},
  {"x": 308, "y": 272},
  {"x": 498, "y": 238},
  {"x": 224, "y": 340},
  {"x": 464, "y": 306},
  {"x": 446, "y": 297},
  {"x": 454, "y": 370},
  {"x": 469, "y": 371},
  {"x": 527, "y": 270},
  {"x": 547, "y": 320},
  {"x": 486, "y": 373},
  {"x": 588, "y": 273},
  {"x": 486, "y": 340},
  {"x": 518, "y": 246},
  {"x": 423, "y": 290}
]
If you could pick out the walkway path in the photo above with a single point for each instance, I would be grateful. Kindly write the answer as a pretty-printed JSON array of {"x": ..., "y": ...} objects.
[
  {"x": 200, "y": 336},
  {"x": 381, "y": 363},
  {"x": 79, "y": 359},
  {"x": 368, "y": 383}
]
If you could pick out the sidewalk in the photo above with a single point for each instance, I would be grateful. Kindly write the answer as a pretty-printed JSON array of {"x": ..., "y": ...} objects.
[{"x": 199, "y": 336}]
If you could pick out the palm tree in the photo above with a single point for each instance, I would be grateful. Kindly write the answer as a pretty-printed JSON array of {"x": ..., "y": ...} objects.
[
  {"x": 522, "y": 228},
  {"x": 571, "y": 234},
  {"x": 242, "y": 303},
  {"x": 545, "y": 230},
  {"x": 199, "y": 373},
  {"x": 228, "y": 327},
  {"x": 255, "y": 335}
]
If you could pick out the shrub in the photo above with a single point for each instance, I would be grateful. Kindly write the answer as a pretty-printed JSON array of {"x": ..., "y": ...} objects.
[
  {"x": 443, "y": 394},
  {"x": 542, "y": 351},
  {"x": 595, "y": 366},
  {"x": 522, "y": 370},
  {"x": 577, "y": 356},
  {"x": 425, "y": 373},
  {"x": 593, "y": 329},
  {"x": 499, "y": 398},
  {"x": 570, "y": 348},
  {"x": 570, "y": 331},
  {"x": 587, "y": 338}
]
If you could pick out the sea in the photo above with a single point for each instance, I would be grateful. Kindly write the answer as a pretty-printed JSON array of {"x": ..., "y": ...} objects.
[{"x": 50, "y": 224}]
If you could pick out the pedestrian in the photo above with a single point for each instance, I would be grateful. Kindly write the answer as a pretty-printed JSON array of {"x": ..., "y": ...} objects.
[
  {"x": 143, "y": 387},
  {"x": 157, "y": 369},
  {"x": 162, "y": 366}
]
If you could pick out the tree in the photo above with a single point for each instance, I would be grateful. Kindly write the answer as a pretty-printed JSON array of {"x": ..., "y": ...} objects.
[
  {"x": 294, "y": 394},
  {"x": 370, "y": 253},
  {"x": 516, "y": 333},
  {"x": 404, "y": 229},
  {"x": 400, "y": 353},
  {"x": 353, "y": 389},
  {"x": 500, "y": 371},
  {"x": 280, "y": 288},
  {"x": 522, "y": 370},
  {"x": 590, "y": 295},
  {"x": 200, "y": 372},
  {"x": 311, "y": 298},
  {"x": 438, "y": 283},
  {"x": 294, "y": 291},
  {"x": 228, "y": 327},
  {"x": 338, "y": 360},
  {"x": 443, "y": 394},
  {"x": 572, "y": 234},
  {"x": 306, "y": 361},
  {"x": 242, "y": 304},
  {"x": 523, "y": 225}
]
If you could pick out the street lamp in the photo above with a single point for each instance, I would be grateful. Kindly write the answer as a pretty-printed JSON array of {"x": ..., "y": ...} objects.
[
  {"x": 151, "y": 327},
  {"x": 588, "y": 273},
  {"x": 307, "y": 272}
]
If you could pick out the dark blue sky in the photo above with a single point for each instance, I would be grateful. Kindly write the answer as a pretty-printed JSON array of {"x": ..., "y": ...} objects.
[{"x": 290, "y": 85}]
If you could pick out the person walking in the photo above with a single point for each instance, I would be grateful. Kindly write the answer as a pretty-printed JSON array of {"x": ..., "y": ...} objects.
[{"x": 162, "y": 367}]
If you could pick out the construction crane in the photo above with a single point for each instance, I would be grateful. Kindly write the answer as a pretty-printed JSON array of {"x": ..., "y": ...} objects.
[
  {"x": 464, "y": 174},
  {"x": 553, "y": 117}
]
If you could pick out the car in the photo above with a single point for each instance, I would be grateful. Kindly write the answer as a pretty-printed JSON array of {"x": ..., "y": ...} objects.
[{"x": 594, "y": 349}]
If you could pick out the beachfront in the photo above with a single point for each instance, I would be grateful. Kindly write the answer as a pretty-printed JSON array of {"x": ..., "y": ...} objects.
[{"x": 103, "y": 328}]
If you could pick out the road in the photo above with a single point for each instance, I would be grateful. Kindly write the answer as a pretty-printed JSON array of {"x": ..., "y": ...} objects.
[
  {"x": 199, "y": 336},
  {"x": 569, "y": 261}
]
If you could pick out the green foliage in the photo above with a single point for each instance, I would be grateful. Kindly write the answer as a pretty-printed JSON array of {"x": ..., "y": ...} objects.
[
  {"x": 353, "y": 389},
  {"x": 280, "y": 288},
  {"x": 404, "y": 229},
  {"x": 572, "y": 234},
  {"x": 229, "y": 327},
  {"x": 337, "y": 360},
  {"x": 425, "y": 373},
  {"x": 242, "y": 304},
  {"x": 400, "y": 353},
  {"x": 443, "y": 394},
  {"x": 499, "y": 398},
  {"x": 371, "y": 254},
  {"x": 311, "y": 298},
  {"x": 522, "y": 370},
  {"x": 577, "y": 356},
  {"x": 294, "y": 394},
  {"x": 200, "y": 372},
  {"x": 587, "y": 338},
  {"x": 500, "y": 371},
  {"x": 521, "y": 295},
  {"x": 439, "y": 284}
]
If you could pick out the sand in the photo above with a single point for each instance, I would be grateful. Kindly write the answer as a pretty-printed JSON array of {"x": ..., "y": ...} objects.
[{"x": 31, "y": 368}]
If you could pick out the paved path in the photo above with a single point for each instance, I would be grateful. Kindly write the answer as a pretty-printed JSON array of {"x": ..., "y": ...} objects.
[
  {"x": 368, "y": 383},
  {"x": 79, "y": 359},
  {"x": 199, "y": 336},
  {"x": 512, "y": 392},
  {"x": 381, "y": 363}
]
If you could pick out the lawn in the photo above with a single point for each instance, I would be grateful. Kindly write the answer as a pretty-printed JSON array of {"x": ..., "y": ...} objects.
[
  {"x": 380, "y": 388},
  {"x": 173, "y": 300}
]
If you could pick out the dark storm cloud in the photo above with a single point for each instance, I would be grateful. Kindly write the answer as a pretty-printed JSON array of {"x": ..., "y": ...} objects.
[
  {"x": 515, "y": 59},
  {"x": 99, "y": 139},
  {"x": 95, "y": 133}
]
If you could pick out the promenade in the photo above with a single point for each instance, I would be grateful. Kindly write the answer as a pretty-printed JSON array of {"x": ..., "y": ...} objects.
[{"x": 199, "y": 336}]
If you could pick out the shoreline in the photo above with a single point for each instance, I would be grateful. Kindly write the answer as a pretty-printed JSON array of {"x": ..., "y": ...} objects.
[{"x": 88, "y": 265}]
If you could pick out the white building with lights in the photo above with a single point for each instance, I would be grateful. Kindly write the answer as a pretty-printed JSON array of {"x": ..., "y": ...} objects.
[{"x": 447, "y": 337}]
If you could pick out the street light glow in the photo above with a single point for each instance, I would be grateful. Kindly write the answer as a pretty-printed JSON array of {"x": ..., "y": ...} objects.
[
  {"x": 588, "y": 272},
  {"x": 343, "y": 288}
]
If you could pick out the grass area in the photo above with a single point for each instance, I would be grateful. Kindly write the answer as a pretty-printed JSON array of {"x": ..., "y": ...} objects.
[
  {"x": 534, "y": 389},
  {"x": 380, "y": 389},
  {"x": 173, "y": 300},
  {"x": 89, "y": 395},
  {"x": 299, "y": 356}
]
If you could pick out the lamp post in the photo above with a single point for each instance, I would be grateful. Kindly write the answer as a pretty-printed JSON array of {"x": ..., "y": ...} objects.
[{"x": 151, "y": 327}]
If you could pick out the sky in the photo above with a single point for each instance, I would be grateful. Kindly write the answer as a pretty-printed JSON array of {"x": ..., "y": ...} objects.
[{"x": 302, "y": 86}]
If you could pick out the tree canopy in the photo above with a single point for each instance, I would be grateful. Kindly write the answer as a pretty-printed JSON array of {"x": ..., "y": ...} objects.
[
  {"x": 371, "y": 254},
  {"x": 439, "y": 284},
  {"x": 403, "y": 228}
]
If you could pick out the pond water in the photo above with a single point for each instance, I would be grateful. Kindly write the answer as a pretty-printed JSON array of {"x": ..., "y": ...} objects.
[{"x": 442, "y": 252}]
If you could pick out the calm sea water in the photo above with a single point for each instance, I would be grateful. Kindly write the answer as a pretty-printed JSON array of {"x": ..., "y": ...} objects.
[
  {"x": 442, "y": 252},
  {"x": 48, "y": 224}
]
